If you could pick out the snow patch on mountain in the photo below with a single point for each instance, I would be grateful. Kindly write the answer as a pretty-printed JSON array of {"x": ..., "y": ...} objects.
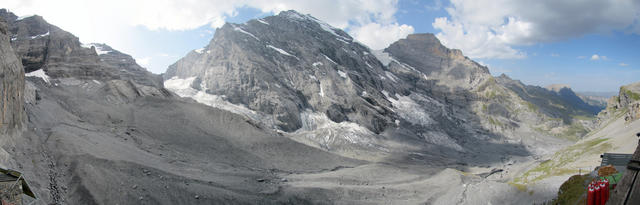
[
  {"x": 183, "y": 88},
  {"x": 38, "y": 74},
  {"x": 391, "y": 76},
  {"x": 41, "y": 35},
  {"x": 342, "y": 74},
  {"x": 281, "y": 51},
  {"x": 262, "y": 21},
  {"x": 321, "y": 90},
  {"x": 368, "y": 65},
  {"x": 99, "y": 49},
  {"x": 329, "y": 59},
  {"x": 339, "y": 39},
  {"x": 383, "y": 57},
  {"x": 235, "y": 28},
  {"x": 410, "y": 110},
  {"x": 317, "y": 127}
]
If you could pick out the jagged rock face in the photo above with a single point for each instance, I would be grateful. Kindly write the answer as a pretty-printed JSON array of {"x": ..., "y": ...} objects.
[
  {"x": 627, "y": 103},
  {"x": 283, "y": 65},
  {"x": 11, "y": 84},
  {"x": 425, "y": 53},
  {"x": 629, "y": 94},
  {"x": 60, "y": 55}
]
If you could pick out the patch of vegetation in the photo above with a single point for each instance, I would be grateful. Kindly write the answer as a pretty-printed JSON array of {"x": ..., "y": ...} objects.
[
  {"x": 632, "y": 95},
  {"x": 584, "y": 117},
  {"x": 573, "y": 190},
  {"x": 489, "y": 82},
  {"x": 532, "y": 107},
  {"x": 554, "y": 166},
  {"x": 574, "y": 131},
  {"x": 495, "y": 122},
  {"x": 491, "y": 94},
  {"x": 520, "y": 187},
  {"x": 559, "y": 106}
]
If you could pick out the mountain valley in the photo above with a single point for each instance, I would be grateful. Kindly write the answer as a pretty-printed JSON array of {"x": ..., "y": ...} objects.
[{"x": 287, "y": 109}]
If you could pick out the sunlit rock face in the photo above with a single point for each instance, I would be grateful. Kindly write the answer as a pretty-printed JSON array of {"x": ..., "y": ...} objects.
[{"x": 11, "y": 84}]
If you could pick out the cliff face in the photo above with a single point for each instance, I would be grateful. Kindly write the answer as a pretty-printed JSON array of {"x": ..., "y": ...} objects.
[
  {"x": 11, "y": 85},
  {"x": 12, "y": 115},
  {"x": 287, "y": 64},
  {"x": 627, "y": 103}
]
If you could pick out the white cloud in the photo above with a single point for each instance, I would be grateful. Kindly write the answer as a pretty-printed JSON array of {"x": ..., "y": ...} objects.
[
  {"x": 378, "y": 36},
  {"x": 144, "y": 62},
  {"x": 596, "y": 57},
  {"x": 623, "y": 64},
  {"x": 492, "y": 28},
  {"x": 474, "y": 41},
  {"x": 555, "y": 55},
  {"x": 106, "y": 21}
]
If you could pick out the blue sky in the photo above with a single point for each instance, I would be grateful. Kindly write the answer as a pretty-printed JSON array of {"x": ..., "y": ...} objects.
[{"x": 591, "y": 45}]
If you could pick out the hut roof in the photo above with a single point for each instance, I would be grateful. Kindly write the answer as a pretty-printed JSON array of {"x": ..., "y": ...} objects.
[{"x": 12, "y": 175}]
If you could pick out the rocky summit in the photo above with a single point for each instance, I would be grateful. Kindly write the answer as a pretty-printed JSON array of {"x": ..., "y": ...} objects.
[
  {"x": 299, "y": 75},
  {"x": 284, "y": 109}
]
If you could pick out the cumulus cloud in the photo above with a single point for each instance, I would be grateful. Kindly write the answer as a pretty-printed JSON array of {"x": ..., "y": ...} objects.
[
  {"x": 623, "y": 64},
  {"x": 100, "y": 21},
  {"x": 378, "y": 36},
  {"x": 493, "y": 28},
  {"x": 596, "y": 57}
]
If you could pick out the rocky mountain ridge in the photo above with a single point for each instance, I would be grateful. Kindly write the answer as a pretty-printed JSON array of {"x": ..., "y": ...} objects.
[
  {"x": 288, "y": 67},
  {"x": 626, "y": 103}
]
